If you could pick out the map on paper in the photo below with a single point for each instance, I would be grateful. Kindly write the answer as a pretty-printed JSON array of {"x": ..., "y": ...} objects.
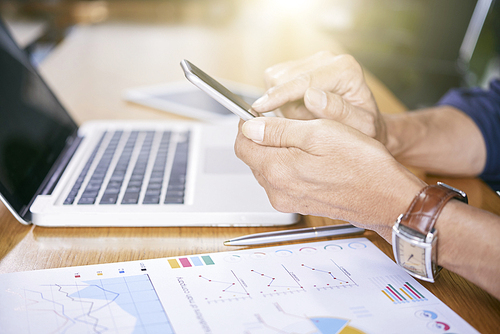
[{"x": 341, "y": 286}]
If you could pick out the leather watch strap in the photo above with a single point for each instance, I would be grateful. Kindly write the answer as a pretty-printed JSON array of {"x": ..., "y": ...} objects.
[{"x": 426, "y": 207}]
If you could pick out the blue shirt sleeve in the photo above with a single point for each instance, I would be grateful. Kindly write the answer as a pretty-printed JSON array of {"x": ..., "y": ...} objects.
[{"x": 483, "y": 106}]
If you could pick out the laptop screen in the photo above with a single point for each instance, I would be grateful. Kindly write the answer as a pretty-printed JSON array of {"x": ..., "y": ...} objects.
[{"x": 34, "y": 127}]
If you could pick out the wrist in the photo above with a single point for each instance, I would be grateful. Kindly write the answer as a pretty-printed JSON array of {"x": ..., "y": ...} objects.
[
  {"x": 401, "y": 132},
  {"x": 414, "y": 236},
  {"x": 405, "y": 187}
]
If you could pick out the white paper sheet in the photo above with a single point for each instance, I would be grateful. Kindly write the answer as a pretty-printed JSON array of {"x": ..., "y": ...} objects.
[{"x": 341, "y": 286}]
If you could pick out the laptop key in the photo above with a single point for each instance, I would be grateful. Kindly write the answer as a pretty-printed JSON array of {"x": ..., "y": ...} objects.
[
  {"x": 176, "y": 193},
  {"x": 151, "y": 199},
  {"x": 130, "y": 198},
  {"x": 172, "y": 187},
  {"x": 151, "y": 191},
  {"x": 90, "y": 193},
  {"x": 135, "y": 189},
  {"x": 109, "y": 198},
  {"x": 86, "y": 200},
  {"x": 135, "y": 183},
  {"x": 69, "y": 200},
  {"x": 174, "y": 200},
  {"x": 136, "y": 177},
  {"x": 153, "y": 185},
  {"x": 110, "y": 190}
]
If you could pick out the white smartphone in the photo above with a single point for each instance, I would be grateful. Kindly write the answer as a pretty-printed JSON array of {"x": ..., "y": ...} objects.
[{"x": 221, "y": 94}]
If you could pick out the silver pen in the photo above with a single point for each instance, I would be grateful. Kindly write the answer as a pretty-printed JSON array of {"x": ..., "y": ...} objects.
[{"x": 297, "y": 234}]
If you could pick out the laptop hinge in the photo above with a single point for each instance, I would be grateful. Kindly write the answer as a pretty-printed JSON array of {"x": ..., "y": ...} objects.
[
  {"x": 54, "y": 173},
  {"x": 60, "y": 166}
]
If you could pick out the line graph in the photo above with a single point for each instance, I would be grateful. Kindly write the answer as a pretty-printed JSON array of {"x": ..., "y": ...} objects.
[
  {"x": 228, "y": 284},
  {"x": 266, "y": 276},
  {"x": 69, "y": 319},
  {"x": 282, "y": 281},
  {"x": 272, "y": 281},
  {"x": 328, "y": 276},
  {"x": 224, "y": 289},
  {"x": 124, "y": 304}
]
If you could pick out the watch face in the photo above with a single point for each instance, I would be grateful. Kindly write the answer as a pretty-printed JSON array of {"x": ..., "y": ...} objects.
[{"x": 411, "y": 257}]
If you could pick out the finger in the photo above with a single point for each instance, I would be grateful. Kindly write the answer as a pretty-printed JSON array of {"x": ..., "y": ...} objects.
[
  {"x": 342, "y": 75},
  {"x": 332, "y": 106},
  {"x": 278, "y": 132},
  {"x": 327, "y": 105},
  {"x": 251, "y": 154},
  {"x": 278, "y": 96}
]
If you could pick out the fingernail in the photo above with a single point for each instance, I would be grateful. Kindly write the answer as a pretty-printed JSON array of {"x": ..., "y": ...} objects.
[
  {"x": 260, "y": 101},
  {"x": 254, "y": 130},
  {"x": 317, "y": 98}
]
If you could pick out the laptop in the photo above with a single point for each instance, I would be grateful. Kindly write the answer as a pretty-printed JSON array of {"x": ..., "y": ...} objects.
[{"x": 116, "y": 173}]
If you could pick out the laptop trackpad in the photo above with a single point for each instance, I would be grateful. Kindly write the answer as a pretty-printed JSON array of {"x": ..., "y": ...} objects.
[{"x": 223, "y": 161}]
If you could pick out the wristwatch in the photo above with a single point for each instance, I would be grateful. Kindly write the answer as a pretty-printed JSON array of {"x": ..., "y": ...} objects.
[{"x": 414, "y": 238}]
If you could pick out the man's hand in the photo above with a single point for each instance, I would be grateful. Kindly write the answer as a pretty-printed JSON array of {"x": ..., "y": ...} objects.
[
  {"x": 322, "y": 167},
  {"x": 323, "y": 86}
]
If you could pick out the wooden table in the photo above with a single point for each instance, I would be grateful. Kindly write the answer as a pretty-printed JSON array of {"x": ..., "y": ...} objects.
[{"x": 89, "y": 72}]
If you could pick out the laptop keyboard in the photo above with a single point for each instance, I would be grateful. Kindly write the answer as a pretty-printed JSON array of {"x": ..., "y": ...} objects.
[
  {"x": 133, "y": 180},
  {"x": 134, "y": 186}
]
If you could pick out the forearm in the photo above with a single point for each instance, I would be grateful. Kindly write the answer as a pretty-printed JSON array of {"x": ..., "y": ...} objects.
[
  {"x": 468, "y": 244},
  {"x": 441, "y": 140}
]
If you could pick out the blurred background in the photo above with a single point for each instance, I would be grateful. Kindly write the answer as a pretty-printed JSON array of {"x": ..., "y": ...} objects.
[{"x": 417, "y": 48}]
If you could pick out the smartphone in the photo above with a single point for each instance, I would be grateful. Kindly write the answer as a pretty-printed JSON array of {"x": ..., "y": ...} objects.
[{"x": 214, "y": 89}]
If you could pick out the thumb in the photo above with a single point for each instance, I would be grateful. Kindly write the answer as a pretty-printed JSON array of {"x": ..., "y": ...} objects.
[{"x": 277, "y": 132}]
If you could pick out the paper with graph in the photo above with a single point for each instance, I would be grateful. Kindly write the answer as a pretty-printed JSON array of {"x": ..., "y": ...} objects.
[{"x": 341, "y": 286}]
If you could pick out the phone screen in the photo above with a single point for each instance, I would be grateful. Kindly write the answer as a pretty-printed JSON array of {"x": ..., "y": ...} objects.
[{"x": 217, "y": 91}]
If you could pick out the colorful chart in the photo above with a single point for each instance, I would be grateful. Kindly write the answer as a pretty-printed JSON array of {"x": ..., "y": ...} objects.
[
  {"x": 405, "y": 294},
  {"x": 323, "y": 325},
  {"x": 300, "y": 324},
  {"x": 398, "y": 291},
  {"x": 342, "y": 286}
]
